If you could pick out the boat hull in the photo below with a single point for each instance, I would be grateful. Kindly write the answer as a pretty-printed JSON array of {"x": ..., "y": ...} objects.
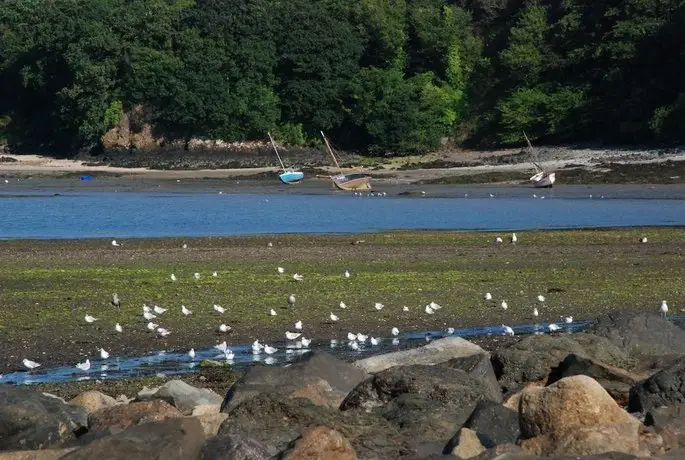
[
  {"x": 543, "y": 180},
  {"x": 350, "y": 182},
  {"x": 291, "y": 177}
]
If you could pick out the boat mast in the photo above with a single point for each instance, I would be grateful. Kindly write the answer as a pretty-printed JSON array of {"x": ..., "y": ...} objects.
[
  {"x": 330, "y": 150},
  {"x": 532, "y": 154},
  {"x": 273, "y": 144}
]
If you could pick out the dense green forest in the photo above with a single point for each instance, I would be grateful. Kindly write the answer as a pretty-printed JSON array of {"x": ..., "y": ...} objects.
[{"x": 377, "y": 75}]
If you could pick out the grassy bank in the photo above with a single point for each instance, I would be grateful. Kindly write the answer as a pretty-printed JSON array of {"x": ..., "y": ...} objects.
[{"x": 47, "y": 287}]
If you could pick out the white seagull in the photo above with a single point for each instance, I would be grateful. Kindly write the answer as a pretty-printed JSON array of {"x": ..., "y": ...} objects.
[
  {"x": 450, "y": 330},
  {"x": 30, "y": 364},
  {"x": 375, "y": 341},
  {"x": 435, "y": 306},
  {"x": 351, "y": 337},
  {"x": 305, "y": 342},
  {"x": 663, "y": 308},
  {"x": 185, "y": 311},
  {"x": 269, "y": 350},
  {"x": 514, "y": 238},
  {"x": 405, "y": 308},
  {"x": 541, "y": 298},
  {"x": 378, "y": 306},
  {"x": 281, "y": 270},
  {"x": 191, "y": 353},
  {"x": 292, "y": 335},
  {"x": 291, "y": 300},
  {"x": 333, "y": 318},
  {"x": 346, "y": 274},
  {"x": 115, "y": 244},
  {"x": 553, "y": 327},
  {"x": 196, "y": 276},
  {"x": 115, "y": 300},
  {"x": 103, "y": 353},
  {"x": 535, "y": 312},
  {"x": 215, "y": 274},
  {"x": 298, "y": 277},
  {"x": 173, "y": 277},
  {"x": 354, "y": 345},
  {"x": 429, "y": 310},
  {"x": 342, "y": 305},
  {"x": 152, "y": 326},
  {"x": 488, "y": 296},
  {"x": 159, "y": 310},
  {"x": 643, "y": 239},
  {"x": 148, "y": 316},
  {"x": 219, "y": 308},
  {"x": 568, "y": 319},
  {"x": 224, "y": 328},
  {"x": 146, "y": 308},
  {"x": 394, "y": 331},
  {"x": 498, "y": 239},
  {"x": 507, "y": 330},
  {"x": 118, "y": 328},
  {"x": 272, "y": 312},
  {"x": 84, "y": 366},
  {"x": 505, "y": 305},
  {"x": 163, "y": 332},
  {"x": 90, "y": 319},
  {"x": 361, "y": 337},
  {"x": 298, "y": 325},
  {"x": 222, "y": 347}
]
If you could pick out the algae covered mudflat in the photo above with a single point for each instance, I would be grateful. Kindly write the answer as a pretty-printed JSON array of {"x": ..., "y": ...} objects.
[{"x": 47, "y": 287}]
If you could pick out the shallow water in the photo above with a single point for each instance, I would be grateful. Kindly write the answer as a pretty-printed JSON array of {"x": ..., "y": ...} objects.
[
  {"x": 165, "y": 363},
  {"x": 87, "y": 214}
]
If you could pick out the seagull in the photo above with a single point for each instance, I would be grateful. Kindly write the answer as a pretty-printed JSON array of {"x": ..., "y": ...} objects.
[
  {"x": 219, "y": 308},
  {"x": 162, "y": 332},
  {"x": 405, "y": 308},
  {"x": 435, "y": 306},
  {"x": 173, "y": 277},
  {"x": 115, "y": 300},
  {"x": 488, "y": 296},
  {"x": 498, "y": 240},
  {"x": 354, "y": 345},
  {"x": 291, "y": 299},
  {"x": 351, "y": 337},
  {"x": 375, "y": 341},
  {"x": 292, "y": 335},
  {"x": 281, "y": 270},
  {"x": 152, "y": 326},
  {"x": 346, "y": 274},
  {"x": 305, "y": 342},
  {"x": 196, "y": 276},
  {"x": 103, "y": 354},
  {"x": 191, "y": 353},
  {"x": 269, "y": 350},
  {"x": 394, "y": 331},
  {"x": 146, "y": 308},
  {"x": 159, "y": 310},
  {"x": 643, "y": 239},
  {"x": 272, "y": 312},
  {"x": 229, "y": 355},
  {"x": 185, "y": 246},
  {"x": 553, "y": 327},
  {"x": 664, "y": 308},
  {"x": 333, "y": 317},
  {"x": 222, "y": 347},
  {"x": 298, "y": 325},
  {"x": 117, "y": 327},
  {"x": 541, "y": 298},
  {"x": 450, "y": 330},
  {"x": 505, "y": 305},
  {"x": 269, "y": 245},
  {"x": 535, "y": 312},
  {"x": 148, "y": 316},
  {"x": 224, "y": 328},
  {"x": 568, "y": 319},
  {"x": 514, "y": 238},
  {"x": 30, "y": 364},
  {"x": 361, "y": 337},
  {"x": 84, "y": 366},
  {"x": 342, "y": 305},
  {"x": 115, "y": 244},
  {"x": 429, "y": 310},
  {"x": 507, "y": 330},
  {"x": 215, "y": 274},
  {"x": 378, "y": 306},
  {"x": 90, "y": 319},
  {"x": 298, "y": 277},
  {"x": 185, "y": 311},
  {"x": 257, "y": 347},
  {"x": 492, "y": 196}
]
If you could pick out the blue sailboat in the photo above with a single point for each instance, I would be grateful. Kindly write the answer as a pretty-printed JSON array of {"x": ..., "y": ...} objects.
[{"x": 287, "y": 175}]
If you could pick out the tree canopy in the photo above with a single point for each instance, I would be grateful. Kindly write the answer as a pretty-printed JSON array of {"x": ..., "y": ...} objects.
[{"x": 378, "y": 75}]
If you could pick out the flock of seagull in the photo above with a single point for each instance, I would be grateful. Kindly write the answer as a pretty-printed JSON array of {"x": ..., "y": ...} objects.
[{"x": 295, "y": 340}]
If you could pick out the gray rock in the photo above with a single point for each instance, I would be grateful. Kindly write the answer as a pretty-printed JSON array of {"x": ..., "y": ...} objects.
[
  {"x": 276, "y": 420},
  {"x": 332, "y": 378},
  {"x": 234, "y": 447},
  {"x": 427, "y": 403},
  {"x": 436, "y": 352},
  {"x": 479, "y": 367},
  {"x": 175, "y": 439},
  {"x": 533, "y": 358},
  {"x": 493, "y": 424},
  {"x": 641, "y": 333},
  {"x": 31, "y": 420},
  {"x": 665, "y": 388},
  {"x": 183, "y": 396}
]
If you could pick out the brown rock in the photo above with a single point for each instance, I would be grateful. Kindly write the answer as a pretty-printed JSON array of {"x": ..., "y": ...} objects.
[
  {"x": 124, "y": 416},
  {"x": 45, "y": 454},
  {"x": 321, "y": 443},
  {"x": 320, "y": 393},
  {"x": 211, "y": 423},
  {"x": 176, "y": 439},
  {"x": 206, "y": 409},
  {"x": 511, "y": 401},
  {"x": 468, "y": 444},
  {"x": 587, "y": 440},
  {"x": 93, "y": 401},
  {"x": 577, "y": 401},
  {"x": 669, "y": 422}
]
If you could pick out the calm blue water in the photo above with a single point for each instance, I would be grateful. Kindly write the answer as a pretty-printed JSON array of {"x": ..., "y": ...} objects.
[{"x": 131, "y": 214}]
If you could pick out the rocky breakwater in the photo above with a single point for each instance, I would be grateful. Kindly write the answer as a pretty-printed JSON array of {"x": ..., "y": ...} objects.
[{"x": 600, "y": 395}]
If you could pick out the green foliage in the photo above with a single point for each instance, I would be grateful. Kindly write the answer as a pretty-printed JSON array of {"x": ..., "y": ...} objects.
[{"x": 291, "y": 134}]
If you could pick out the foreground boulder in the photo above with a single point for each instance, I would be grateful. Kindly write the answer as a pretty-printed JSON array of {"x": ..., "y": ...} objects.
[
  {"x": 665, "y": 388},
  {"x": 178, "y": 439},
  {"x": 316, "y": 376},
  {"x": 575, "y": 416},
  {"x": 669, "y": 423},
  {"x": 182, "y": 396},
  {"x": 276, "y": 420},
  {"x": 320, "y": 443},
  {"x": 427, "y": 403},
  {"x": 121, "y": 417},
  {"x": 31, "y": 420},
  {"x": 479, "y": 367},
  {"x": 493, "y": 425},
  {"x": 436, "y": 352},
  {"x": 616, "y": 381},
  {"x": 640, "y": 333},
  {"x": 533, "y": 358},
  {"x": 93, "y": 401},
  {"x": 234, "y": 447}
]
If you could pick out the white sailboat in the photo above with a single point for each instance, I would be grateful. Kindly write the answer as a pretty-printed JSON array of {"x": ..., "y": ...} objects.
[{"x": 541, "y": 178}]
